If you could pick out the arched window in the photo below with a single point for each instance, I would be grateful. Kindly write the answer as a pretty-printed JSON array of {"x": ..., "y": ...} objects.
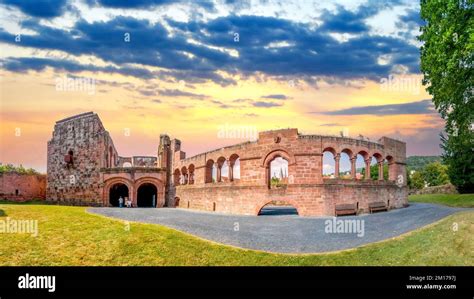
[
  {"x": 361, "y": 163},
  {"x": 222, "y": 170},
  {"x": 345, "y": 164},
  {"x": 176, "y": 176},
  {"x": 69, "y": 158},
  {"x": 214, "y": 172},
  {"x": 330, "y": 164},
  {"x": 184, "y": 176},
  {"x": 378, "y": 173},
  {"x": 191, "y": 174},
  {"x": 234, "y": 167},
  {"x": 127, "y": 164},
  {"x": 209, "y": 171},
  {"x": 278, "y": 172}
]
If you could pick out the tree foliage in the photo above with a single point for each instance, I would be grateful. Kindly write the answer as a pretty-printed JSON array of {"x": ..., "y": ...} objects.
[
  {"x": 447, "y": 65},
  {"x": 433, "y": 174},
  {"x": 18, "y": 169}
]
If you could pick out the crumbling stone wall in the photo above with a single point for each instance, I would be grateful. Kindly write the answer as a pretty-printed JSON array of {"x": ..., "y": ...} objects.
[
  {"x": 79, "y": 181},
  {"x": 22, "y": 187}
]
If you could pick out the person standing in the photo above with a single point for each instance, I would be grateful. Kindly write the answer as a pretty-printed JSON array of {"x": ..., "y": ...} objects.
[{"x": 120, "y": 202}]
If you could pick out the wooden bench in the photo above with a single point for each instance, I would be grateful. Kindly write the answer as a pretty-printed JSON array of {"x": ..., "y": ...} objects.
[
  {"x": 377, "y": 206},
  {"x": 346, "y": 209}
]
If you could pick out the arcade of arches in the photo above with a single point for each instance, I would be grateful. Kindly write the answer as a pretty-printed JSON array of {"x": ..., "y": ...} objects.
[
  {"x": 285, "y": 166},
  {"x": 143, "y": 194}
]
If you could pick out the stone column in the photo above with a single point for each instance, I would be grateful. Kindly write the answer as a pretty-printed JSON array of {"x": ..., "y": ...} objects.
[
  {"x": 367, "y": 168},
  {"x": 380, "y": 163},
  {"x": 336, "y": 166},
  {"x": 353, "y": 167},
  {"x": 231, "y": 172},
  {"x": 218, "y": 176}
]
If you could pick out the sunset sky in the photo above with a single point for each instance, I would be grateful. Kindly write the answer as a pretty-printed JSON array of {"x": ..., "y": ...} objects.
[{"x": 191, "y": 68}]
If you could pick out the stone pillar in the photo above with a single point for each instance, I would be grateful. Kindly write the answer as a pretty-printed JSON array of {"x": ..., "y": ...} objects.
[
  {"x": 231, "y": 172},
  {"x": 218, "y": 176},
  {"x": 336, "y": 166},
  {"x": 380, "y": 163},
  {"x": 367, "y": 168},
  {"x": 353, "y": 167}
]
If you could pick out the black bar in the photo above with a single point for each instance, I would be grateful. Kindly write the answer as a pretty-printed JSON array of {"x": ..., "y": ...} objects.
[{"x": 244, "y": 282}]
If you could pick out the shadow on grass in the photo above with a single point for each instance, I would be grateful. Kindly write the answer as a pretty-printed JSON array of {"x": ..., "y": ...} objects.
[{"x": 2, "y": 213}]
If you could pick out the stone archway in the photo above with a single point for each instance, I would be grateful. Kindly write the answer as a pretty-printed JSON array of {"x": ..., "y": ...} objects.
[
  {"x": 110, "y": 192},
  {"x": 278, "y": 207},
  {"x": 116, "y": 191},
  {"x": 145, "y": 189},
  {"x": 147, "y": 195}
]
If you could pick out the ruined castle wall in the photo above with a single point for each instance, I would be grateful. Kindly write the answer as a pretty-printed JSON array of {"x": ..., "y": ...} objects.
[
  {"x": 306, "y": 188},
  {"x": 92, "y": 148},
  {"x": 22, "y": 187}
]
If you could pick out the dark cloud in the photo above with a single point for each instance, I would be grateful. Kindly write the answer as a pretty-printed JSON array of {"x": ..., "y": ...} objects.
[
  {"x": 412, "y": 18},
  {"x": 276, "y": 97},
  {"x": 147, "y": 4},
  {"x": 147, "y": 93},
  {"x": 266, "y": 104},
  {"x": 420, "y": 107},
  {"x": 24, "y": 64},
  {"x": 310, "y": 52},
  {"x": 40, "y": 9},
  {"x": 346, "y": 21},
  {"x": 180, "y": 93}
]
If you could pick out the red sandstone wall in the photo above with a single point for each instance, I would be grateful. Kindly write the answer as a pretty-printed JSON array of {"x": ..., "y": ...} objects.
[
  {"x": 307, "y": 190},
  {"x": 21, "y": 187}
]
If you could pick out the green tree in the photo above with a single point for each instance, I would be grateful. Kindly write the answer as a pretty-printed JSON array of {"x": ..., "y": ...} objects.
[
  {"x": 435, "y": 174},
  {"x": 417, "y": 181},
  {"x": 447, "y": 65}
]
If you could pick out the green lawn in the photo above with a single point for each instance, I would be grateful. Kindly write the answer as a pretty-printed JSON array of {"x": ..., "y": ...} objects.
[
  {"x": 452, "y": 200},
  {"x": 71, "y": 236}
]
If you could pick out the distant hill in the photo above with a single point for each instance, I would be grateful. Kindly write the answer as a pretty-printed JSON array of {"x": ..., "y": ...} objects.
[{"x": 418, "y": 162}]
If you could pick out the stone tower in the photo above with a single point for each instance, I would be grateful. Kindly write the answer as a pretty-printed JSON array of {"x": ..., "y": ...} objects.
[{"x": 78, "y": 149}]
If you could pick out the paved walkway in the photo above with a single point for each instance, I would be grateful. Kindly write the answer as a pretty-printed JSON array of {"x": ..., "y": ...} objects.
[{"x": 286, "y": 233}]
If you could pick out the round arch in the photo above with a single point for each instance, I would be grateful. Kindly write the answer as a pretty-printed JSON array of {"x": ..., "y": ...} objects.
[
  {"x": 265, "y": 202},
  {"x": 378, "y": 156},
  {"x": 278, "y": 153},
  {"x": 144, "y": 198},
  {"x": 147, "y": 195},
  {"x": 349, "y": 152},
  {"x": 112, "y": 181},
  {"x": 330, "y": 149}
]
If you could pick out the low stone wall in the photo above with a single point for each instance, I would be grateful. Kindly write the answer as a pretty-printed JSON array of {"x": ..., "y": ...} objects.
[
  {"x": 442, "y": 189},
  {"x": 308, "y": 199},
  {"x": 22, "y": 187}
]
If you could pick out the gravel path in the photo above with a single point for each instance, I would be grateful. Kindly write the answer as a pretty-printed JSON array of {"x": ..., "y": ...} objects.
[{"x": 287, "y": 233}]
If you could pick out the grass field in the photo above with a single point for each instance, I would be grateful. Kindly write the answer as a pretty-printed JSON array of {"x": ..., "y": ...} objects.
[
  {"x": 452, "y": 200},
  {"x": 71, "y": 236}
]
